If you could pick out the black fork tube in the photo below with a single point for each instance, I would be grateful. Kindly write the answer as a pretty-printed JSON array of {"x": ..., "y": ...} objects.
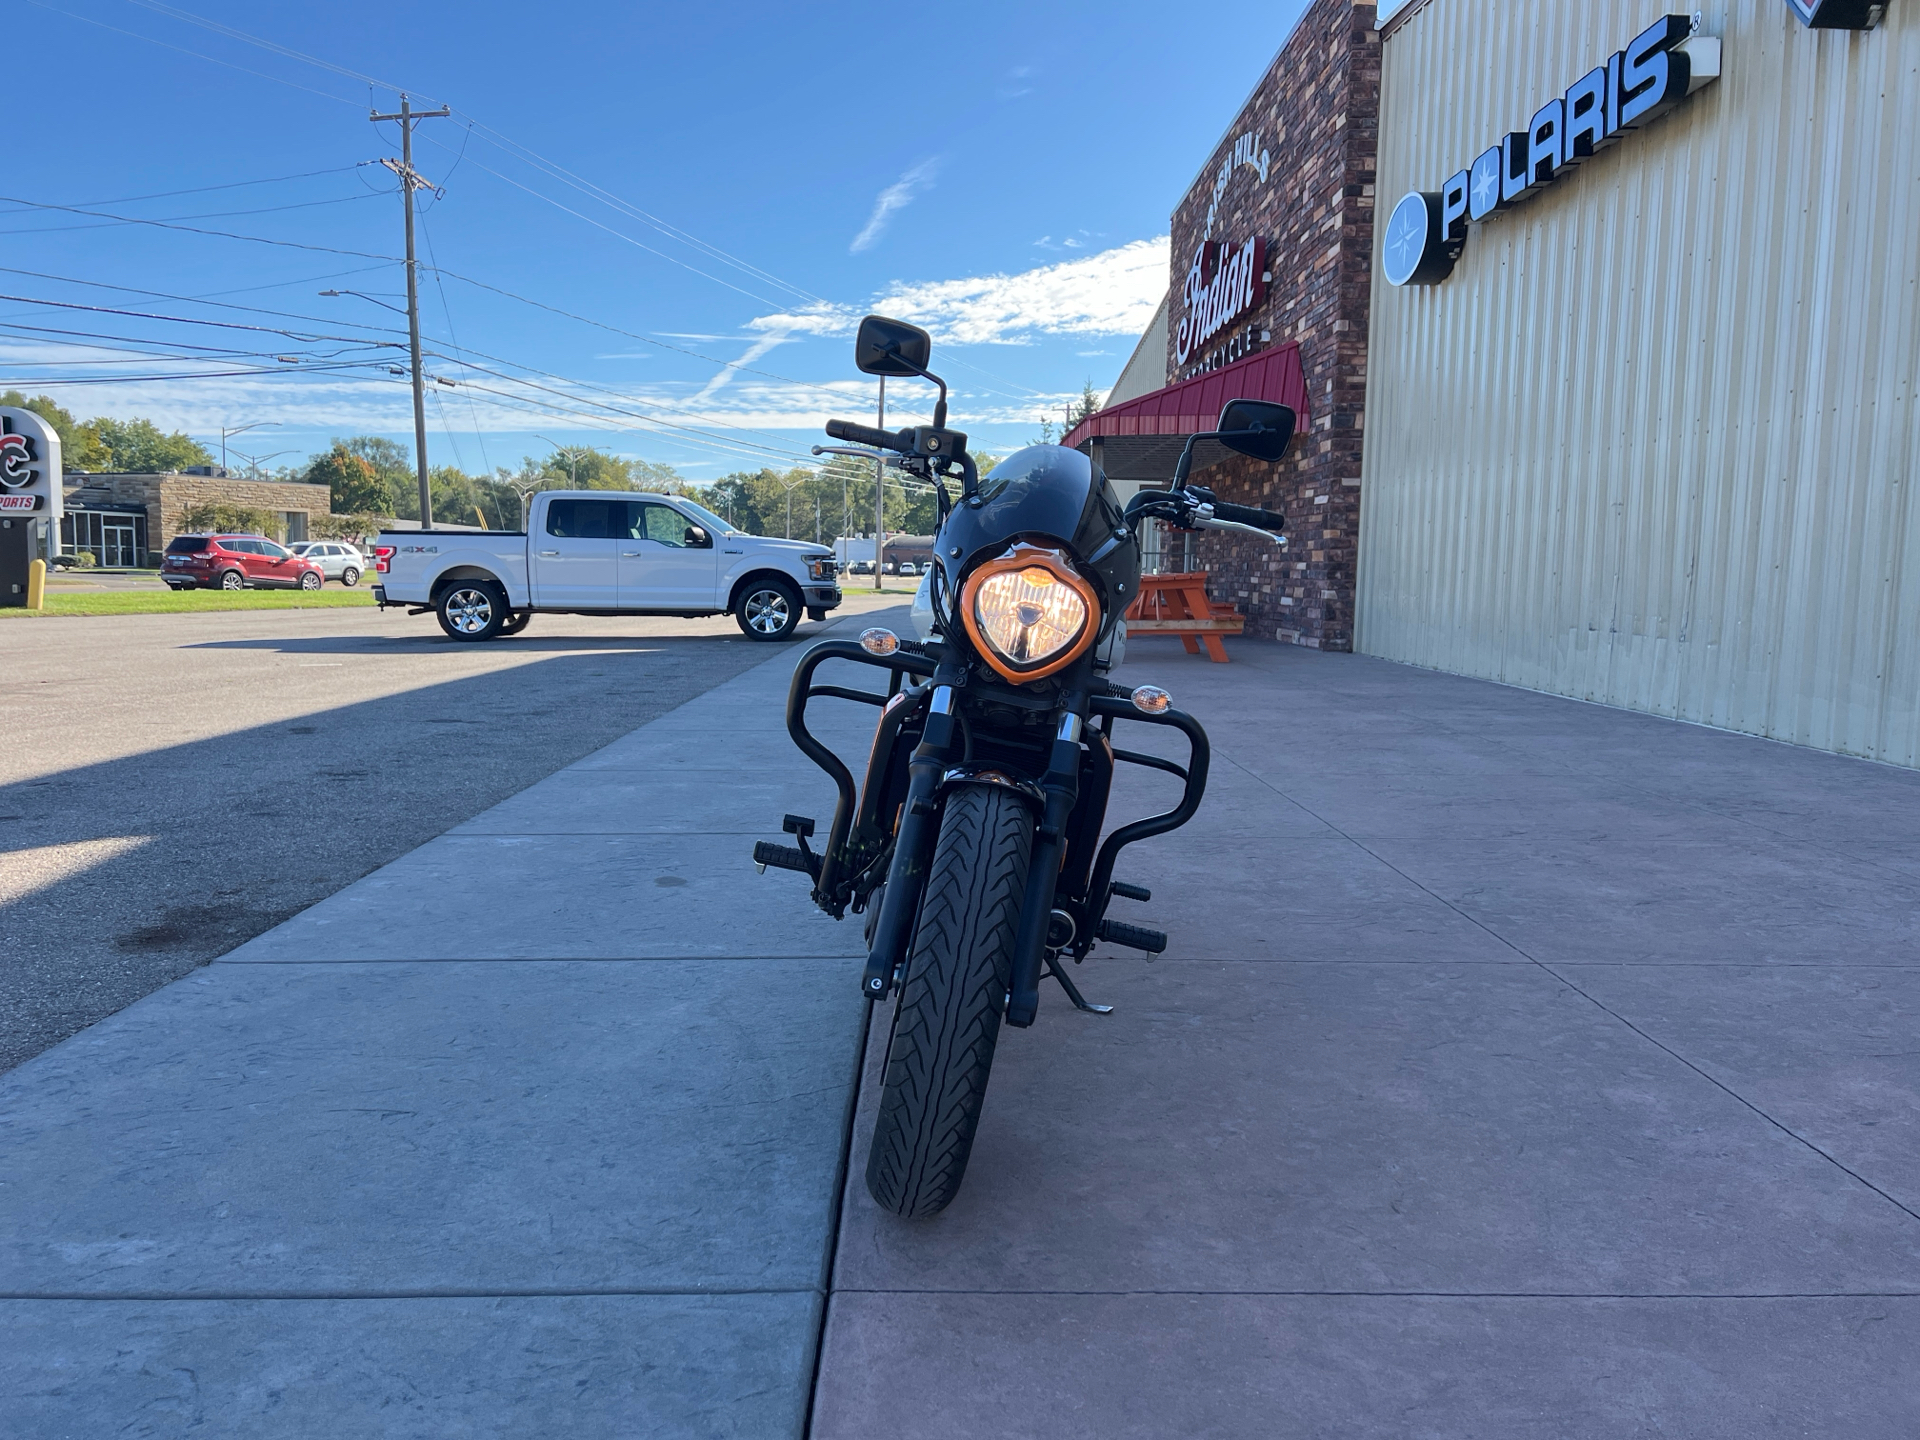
[
  {"x": 1062, "y": 785},
  {"x": 913, "y": 844}
]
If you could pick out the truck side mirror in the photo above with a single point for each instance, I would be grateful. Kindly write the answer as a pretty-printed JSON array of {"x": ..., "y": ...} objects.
[{"x": 698, "y": 539}]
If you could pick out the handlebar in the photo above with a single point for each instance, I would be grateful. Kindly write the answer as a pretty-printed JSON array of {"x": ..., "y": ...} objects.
[
  {"x": 1248, "y": 515},
  {"x": 858, "y": 434}
]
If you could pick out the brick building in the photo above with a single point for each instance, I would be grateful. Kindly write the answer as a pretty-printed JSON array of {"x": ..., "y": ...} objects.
[
  {"x": 125, "y": 519},
  {"x": 1272, "y": 252}
]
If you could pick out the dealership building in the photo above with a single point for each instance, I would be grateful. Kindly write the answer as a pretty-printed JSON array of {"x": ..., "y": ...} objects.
[{"x": 1618, "y": 402}]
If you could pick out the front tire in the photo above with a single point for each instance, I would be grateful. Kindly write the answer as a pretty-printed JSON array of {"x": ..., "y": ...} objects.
[
  {"x": 947, "y": 1021},
  {"x": 310, "y": 581},
  {"x": 768, "y": 610},
  {"x": 471, "y": 610}
]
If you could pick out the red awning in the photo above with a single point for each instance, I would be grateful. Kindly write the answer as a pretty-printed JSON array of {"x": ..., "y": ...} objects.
[{"x": 1141, "y": 439}]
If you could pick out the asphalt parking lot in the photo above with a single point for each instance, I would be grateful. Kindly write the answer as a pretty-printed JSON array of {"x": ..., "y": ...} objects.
[{"x": 172, "y": 785}]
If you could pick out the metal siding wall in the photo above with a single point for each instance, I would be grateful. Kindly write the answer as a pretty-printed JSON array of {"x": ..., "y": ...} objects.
[{"x": 1653, "y": 444}]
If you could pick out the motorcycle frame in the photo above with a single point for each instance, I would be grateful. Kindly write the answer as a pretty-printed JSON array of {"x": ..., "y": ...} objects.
[{"x": 1070, "y": 803}]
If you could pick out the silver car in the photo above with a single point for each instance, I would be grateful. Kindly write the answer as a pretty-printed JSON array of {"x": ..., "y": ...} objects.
[{"x": 337, "y": 559}]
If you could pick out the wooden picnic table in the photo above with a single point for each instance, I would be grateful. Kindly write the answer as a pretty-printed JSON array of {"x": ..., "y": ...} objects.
[{"x": 1178, "y": 605}]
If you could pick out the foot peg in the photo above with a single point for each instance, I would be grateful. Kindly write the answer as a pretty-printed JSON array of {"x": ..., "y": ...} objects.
[
  {"x": 1130, "y": 892},
  {"x": 1136, "y": 937},
  {"x": 781, "y": 857},
  {"x": 1080, "y": 1002}
]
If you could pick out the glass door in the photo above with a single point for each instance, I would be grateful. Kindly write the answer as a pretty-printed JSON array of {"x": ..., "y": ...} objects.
[{"x": 116, "y": 541}]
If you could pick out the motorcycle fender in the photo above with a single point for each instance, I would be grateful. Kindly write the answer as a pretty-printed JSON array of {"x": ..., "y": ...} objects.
[{"x": 1027, "y": 790}]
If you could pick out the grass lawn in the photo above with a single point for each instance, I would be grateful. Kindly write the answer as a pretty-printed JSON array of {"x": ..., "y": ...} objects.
[{"x": 175, "y": 602}]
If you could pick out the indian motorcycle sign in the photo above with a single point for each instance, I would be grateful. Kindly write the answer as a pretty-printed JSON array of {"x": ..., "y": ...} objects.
[{"x": 1222, "y": 285}]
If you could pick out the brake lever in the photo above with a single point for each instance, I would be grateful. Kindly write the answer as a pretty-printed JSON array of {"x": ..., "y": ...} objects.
[
  {"x": 852, "y": 450},
  {"x": 1207, "y": 522}
]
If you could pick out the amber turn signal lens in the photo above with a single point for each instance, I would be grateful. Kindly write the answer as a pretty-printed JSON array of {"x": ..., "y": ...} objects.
[
  {"x": 879, "y": 641},
  {"x": 1152, "y": 700}
]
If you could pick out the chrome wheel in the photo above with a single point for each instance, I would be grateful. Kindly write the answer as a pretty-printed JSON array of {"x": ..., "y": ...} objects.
[
  {"x": 767, "y": 612},
  {"x": 309, "y": 581},
  {"x": 468, "y": 610},
  {"x": 233, "y": 580}
]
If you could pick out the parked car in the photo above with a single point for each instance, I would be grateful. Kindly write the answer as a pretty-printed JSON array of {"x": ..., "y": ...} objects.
[
  {"x": 236, "y": 562},
  {"x": 337, "y": 559},
  {"x": 907, "y": 567},
  {"x": 860, "y": 567},
  {"x": 591, "y": 552}
]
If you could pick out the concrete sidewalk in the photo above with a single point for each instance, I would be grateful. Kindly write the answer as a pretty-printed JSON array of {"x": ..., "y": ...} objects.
[
  {"x": 536, "y": 1131},
  {"x": 1519, "y": 1068}
]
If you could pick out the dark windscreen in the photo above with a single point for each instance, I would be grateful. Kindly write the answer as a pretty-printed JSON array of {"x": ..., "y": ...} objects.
[{"x": 187, "y": 545}]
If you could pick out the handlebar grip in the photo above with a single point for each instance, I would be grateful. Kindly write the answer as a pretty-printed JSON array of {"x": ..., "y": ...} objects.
[
  {"x": 857, "y": 434},
  {"x": 1247, "y": 515}
]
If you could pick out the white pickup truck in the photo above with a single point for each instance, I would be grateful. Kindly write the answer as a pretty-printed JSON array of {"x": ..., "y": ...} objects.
[{"x": 605, "y": 552}]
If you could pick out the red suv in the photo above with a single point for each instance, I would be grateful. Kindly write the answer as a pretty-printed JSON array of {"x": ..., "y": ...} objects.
[{"x": 233, "y": 562}]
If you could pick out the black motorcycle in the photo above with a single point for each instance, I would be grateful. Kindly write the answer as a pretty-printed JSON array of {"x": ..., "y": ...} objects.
[{"x": 974, "y": 846}]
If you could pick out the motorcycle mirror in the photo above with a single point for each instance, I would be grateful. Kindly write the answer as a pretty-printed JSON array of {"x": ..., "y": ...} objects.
[
  {"x": 1256, "y": 428},
  {"x": 891, "y": 347}
]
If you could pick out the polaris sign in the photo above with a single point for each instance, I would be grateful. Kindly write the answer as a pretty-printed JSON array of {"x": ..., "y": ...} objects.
[{"x": 1663, "y": 66}]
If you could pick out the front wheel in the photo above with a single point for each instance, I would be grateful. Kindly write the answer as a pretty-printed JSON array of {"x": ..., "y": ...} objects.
[
  {"x": 471, "y": 610},
  {"x": 768, "y": 610},
  {"x": 310, "y": 580},
  {"x": 947, "y": 1021}
]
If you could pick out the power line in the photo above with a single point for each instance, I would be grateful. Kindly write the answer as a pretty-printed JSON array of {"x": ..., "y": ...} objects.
[
  {"x": 210, "y": 215},
  {"x": 196, "y": 230},
  {"x": 229, "y": 185}
]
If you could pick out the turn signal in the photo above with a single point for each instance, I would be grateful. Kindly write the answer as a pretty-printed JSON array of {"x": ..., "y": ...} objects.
[
  {"x": 1029, "y": 613},
  {"x": 1152, "y": 700},
  {"x": 879, "y": 641}
]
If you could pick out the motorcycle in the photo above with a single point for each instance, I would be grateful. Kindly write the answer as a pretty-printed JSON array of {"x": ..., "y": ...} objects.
[{"x": 974, "y": 845}]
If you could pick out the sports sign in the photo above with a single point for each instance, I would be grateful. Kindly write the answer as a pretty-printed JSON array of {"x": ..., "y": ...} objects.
[
  {"x": 1663, "y": 65},
  {"x": 29, "y": 466}
]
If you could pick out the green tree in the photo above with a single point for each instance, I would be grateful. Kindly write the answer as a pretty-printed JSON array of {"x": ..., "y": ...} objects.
[
  {"x": 139, "y": 447},
  {"x": 223, "y": 518},
  {"x": 352, "y": 486},
  {"x": 80, "y": 447}
]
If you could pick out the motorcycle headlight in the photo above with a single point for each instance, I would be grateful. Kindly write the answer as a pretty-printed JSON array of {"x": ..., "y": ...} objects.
[{"x": 1029, "y": 613}]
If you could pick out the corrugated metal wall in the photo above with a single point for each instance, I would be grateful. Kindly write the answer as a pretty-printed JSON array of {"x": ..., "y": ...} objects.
[{"x": 1654, "y": 442}]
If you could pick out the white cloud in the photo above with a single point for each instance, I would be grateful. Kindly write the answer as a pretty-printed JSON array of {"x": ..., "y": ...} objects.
[
  {"x": 896, "y": 196},
  {"x": 1111, "y": 293}
]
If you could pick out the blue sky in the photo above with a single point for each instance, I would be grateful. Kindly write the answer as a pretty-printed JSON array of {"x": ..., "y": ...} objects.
[{"x": 689, "y": 184}]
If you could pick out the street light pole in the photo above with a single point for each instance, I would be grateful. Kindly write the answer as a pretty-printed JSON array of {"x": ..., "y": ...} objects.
[
  {"x": 410, "y": 181},
  {"x": 226, "y": 434},
  {"x": 573, "y": 459}
]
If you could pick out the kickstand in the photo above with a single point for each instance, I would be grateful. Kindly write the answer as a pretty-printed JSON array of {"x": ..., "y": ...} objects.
[{"x": 1080, "y": 1002}]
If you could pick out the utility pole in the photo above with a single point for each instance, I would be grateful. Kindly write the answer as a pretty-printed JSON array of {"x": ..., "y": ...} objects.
[
  {"x": 411, "y": 181},
  {"x": 880, "y": 494}
]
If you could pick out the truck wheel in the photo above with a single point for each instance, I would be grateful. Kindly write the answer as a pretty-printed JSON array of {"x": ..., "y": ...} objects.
[
  {"x": 472, "y": 610},
  {"x": 768, "y": 610}
]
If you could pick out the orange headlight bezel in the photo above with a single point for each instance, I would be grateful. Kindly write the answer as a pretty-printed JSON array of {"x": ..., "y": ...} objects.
[{"x": 1019, "y": 557}]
